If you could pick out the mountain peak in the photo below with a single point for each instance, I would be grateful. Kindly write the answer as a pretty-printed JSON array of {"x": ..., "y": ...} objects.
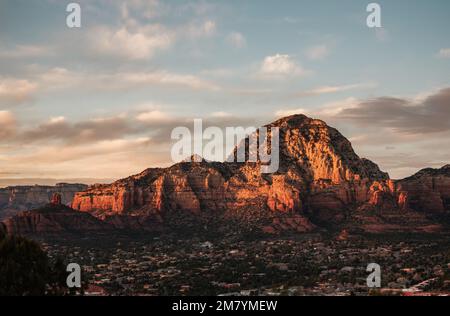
[
  {"x": 319, "y": 180},
  {"x": 321, "y": 151},
  {"x": 443, "y": 171},
  {"x": 295, "y": 120}
]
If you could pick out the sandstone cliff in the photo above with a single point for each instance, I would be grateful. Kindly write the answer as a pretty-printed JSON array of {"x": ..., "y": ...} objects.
[
  {"x": 52, "y": 219},
  {"x": 321, "y": 181},
  {"x": 21, "y": 198},
  {"x": 428, "y": 190}
]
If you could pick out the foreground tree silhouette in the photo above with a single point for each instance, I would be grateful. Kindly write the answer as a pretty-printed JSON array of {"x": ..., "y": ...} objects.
[{"x": 25, "y": 269}]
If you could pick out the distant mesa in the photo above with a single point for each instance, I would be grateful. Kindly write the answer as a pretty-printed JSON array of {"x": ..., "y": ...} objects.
[
  {"x": 21, "y": 198},
  {"x": 53, "y": 219}
]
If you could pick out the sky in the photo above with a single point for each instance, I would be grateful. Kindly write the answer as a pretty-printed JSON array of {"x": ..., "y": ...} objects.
[{"x": 100, "y": 101}]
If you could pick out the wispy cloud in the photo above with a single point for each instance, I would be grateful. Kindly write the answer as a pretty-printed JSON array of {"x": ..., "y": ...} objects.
[
  {"x": 318, "y": 52},
  {"x": 26, "y": 51},
  {"x": 55, "y": 154},
  {"x": 8, "y": 124},
  {"x": 168, "y": 78},
  {"x": 237, "y": 40},
  {"x": 14, "y": 91},
  {"x": 114, "y": 146},
  {"x": 62, "y": 78},
  {"x": 444, "y": 53},
  {"x": 154, "y": 116},
  {"x": 201, "y": 29},
  {"x": 335, "y": 89},
  {"x": 280, "y": 66},
  {"x": 144, "y": 8},
  {"x": 382, "y": 34},
  {"x": 397, "y": 133},
  {"x": 432, "y": 115},
  {"x": 60, "y": 130},
  {"x": 138, "y": 44}
]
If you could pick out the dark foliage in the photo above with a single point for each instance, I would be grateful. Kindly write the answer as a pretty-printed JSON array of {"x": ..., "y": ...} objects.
[{"x": 25, "y": 269}]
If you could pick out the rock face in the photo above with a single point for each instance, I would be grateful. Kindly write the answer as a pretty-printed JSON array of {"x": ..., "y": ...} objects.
[
  {"x": 56, "y": 199},
  {"x": 321, "y": 181},
  {"x": 21, "y": 198},
  {"x": 428, "y": 190},
  {"x": 52, "y": 219}
]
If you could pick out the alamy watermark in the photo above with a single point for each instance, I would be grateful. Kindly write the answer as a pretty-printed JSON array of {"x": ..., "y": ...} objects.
[
  {"x": 374, "y": 278},
  {"x": 74, "y": 278},
  {"x": 241, "y": 145},
  {"x": 73, "y": 19},
  {"x": 374, "y": 18}
]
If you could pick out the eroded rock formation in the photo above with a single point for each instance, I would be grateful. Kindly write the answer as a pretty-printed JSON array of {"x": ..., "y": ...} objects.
[
  {"x": 321, "y": 183},
  {"x": 53, "y": 219},
  {"x": 321, "y": 180},
  {"x": 22, "y": 198},
  {"x": 428, "y": 190}
]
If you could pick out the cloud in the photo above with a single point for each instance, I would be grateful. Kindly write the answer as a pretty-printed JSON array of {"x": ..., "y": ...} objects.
[
  {"x": 335, "y": 89},
  {"x": 318, "y": 52},
  {"x": 168, "y": 78},
  {"x": 444, "y": 53},
  {"x": 160, "y": 130},
  {"x": 145, "y": 8},
  {"x": 291, "y": 20},
  {"x": 198, "y": 8},
  {"x": 283, "y": 113},
  {"x": 138, "y": 44},
  {"x": 106, "y": 160},
  {"x": 137, "y": 30},
  {"x": 237, "y": 40},
  {"x": 280, "y": 66},
  {"x": 431, "y": 115},
  {"x": 326, "y": 112},
  {"x": 200, "y": 29},
  {"x": 208, "y": 27},
  {"x": 251, "y": 91},
  {"x": 15, "y": 91},
  {"x": 142, "y": 123},
  {"x": 8, "y": 124},
  {"x": 110, "y": 147},
  {"x": 61, "y": 78},
  {"x": 219, "y": 72},
  {"x": 26, "y": 51},
  {"x": 417, "y": 116},
  {"x": 103, "y": 147},
  {"x": 83, "y": 132},
  {"x": 397, "y": 133},
  {"x": 58, "y": 154},
  {"x": 382, "y": 34},
  {"x": 138, "y": 36},
  {"x": 154, "y": 116},
  {"x": 221, "y": 114}
]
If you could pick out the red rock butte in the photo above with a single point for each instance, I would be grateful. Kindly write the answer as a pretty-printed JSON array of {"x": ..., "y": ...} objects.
[{"x": 321, "y": 182}]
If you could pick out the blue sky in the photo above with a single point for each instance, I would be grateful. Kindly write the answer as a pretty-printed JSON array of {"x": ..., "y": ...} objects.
[{"x": 99, "y": 101}]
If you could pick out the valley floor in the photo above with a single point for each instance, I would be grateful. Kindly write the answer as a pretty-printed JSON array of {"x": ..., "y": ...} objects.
[{"x": 300, "y": 265}]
